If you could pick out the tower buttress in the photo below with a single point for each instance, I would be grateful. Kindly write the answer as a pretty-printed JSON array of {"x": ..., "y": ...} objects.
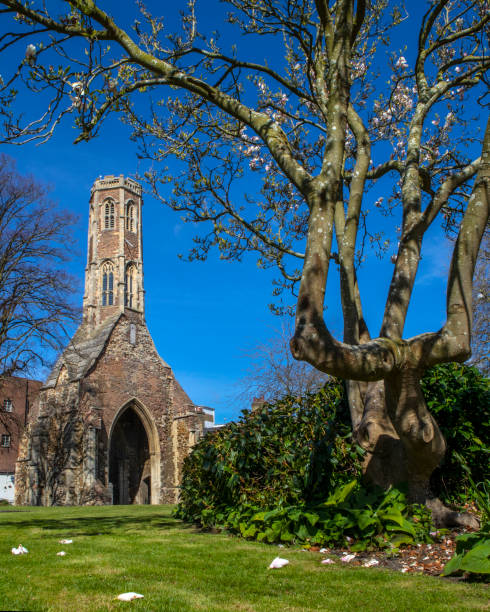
[{"x": 114, "y": 272}]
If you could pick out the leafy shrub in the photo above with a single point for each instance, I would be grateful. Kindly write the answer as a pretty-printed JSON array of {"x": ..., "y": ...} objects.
[
  {"x": 288, "y": 456},
  {"x": 289, "y": 453},
  {"x": 473, "y": 549},
  {"x": 351, "y": 515},
  {"x": 472, "y": 553},
  {"x": 459, "y": 398},
  {"x": 266, "y": 477}
]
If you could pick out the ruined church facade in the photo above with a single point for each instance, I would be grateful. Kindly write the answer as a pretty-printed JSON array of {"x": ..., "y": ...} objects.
[{"x": 112, "y": 425}]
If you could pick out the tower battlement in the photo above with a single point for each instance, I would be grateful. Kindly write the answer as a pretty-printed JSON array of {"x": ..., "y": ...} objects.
[{"x": 110, "y": 182}]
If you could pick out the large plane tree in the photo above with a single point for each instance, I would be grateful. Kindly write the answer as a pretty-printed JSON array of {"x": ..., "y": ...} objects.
[{"x": 338, "y": 119}]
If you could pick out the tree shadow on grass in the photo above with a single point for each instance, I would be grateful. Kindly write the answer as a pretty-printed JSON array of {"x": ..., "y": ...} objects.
[{"x": 96, "y": 525}]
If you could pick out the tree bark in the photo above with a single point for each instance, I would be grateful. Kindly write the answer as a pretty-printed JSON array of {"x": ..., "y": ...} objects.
[
  {"x": 385, "y": 460},
  {"x": 403, "y": 441}
]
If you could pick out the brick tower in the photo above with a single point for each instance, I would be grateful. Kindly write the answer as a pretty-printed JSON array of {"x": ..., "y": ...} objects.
[
  {"x": 114, "y": 272},
  {"x": 112, "y": 424}
]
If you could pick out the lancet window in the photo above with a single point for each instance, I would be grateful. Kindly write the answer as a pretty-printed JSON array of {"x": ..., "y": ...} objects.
[
  {"x": 109, "y": 215},
  {"x": 130, "y": 286},
  {"x": 130, "y": 217},
  {"x": 107, "y": 284}
]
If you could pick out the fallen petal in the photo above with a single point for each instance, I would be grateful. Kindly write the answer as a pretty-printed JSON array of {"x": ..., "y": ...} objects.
[
  {"x": 66, "y": 541},
  {"x": 62, "y": 553},
  {"x": 371, "y": 563},
  {"x": 20, "y": 550},
  {"x": 347, "y": 558},
  {"x": 129, "y": 596},
  {"x": 327, "y": 562},
  {"x": 277, "y": 563},
  {"x": 323, "y": 550}
]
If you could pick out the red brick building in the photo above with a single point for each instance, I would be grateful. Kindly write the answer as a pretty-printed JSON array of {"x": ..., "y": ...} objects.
[
  {"x": 113, "y": 424},
  {"x": 17, "y": 396}
]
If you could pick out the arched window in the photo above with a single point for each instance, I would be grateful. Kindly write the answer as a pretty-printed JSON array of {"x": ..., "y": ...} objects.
[
  {"x": 109, "y": 217},
  {"x": 130, "y": 286},
  {"x": 130, "y": 217},
  {"x": 107, "y": 284}
]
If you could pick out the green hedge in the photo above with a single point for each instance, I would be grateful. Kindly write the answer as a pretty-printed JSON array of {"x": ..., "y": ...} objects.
[
  {"x": 282, "y": 454},
  {"x": 459, "y": 398},
  {"x": 297, "y": 451}
]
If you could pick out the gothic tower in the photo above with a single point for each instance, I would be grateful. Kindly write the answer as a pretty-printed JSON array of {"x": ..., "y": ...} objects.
[
  {"x": 112, "y": 423},
  {"x": 114, "y": 272}
]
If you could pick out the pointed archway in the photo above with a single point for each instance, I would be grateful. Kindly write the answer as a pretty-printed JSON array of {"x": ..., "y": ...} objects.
[{"x": 134, "y": 456}]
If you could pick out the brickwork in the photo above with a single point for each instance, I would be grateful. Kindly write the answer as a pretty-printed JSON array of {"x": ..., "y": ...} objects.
[
  {"x": 17, "y": 396},
  {"x": 110, "y": 377}
]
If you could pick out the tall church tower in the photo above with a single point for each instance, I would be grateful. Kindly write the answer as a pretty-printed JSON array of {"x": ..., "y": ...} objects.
[
  {"x": 112, "y": 425},
  {"x": 114, "y": 272}
]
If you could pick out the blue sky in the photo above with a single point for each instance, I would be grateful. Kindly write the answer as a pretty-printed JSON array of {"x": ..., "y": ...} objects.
[{"x": 204, "y": 316}]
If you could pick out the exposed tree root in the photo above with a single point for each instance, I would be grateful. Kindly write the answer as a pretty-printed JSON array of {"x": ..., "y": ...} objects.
[{"x": 445, "y": 517}]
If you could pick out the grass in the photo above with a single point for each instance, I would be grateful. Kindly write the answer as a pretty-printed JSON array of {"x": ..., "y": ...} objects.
[{"x": 177, "y": 568}]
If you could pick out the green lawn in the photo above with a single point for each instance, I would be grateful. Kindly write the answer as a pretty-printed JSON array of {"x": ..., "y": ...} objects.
[{"x": 176, "y": 568}]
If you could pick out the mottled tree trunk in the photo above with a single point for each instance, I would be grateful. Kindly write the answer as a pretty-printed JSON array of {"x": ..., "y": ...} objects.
[
  {"x": 385, "y": 461},
  {"x": 422, "y": 440},
  {"x": 403, "y": 441}
]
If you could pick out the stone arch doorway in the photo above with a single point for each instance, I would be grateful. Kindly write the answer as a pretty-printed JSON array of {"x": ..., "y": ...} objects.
[{"x": 134, "y": 457}]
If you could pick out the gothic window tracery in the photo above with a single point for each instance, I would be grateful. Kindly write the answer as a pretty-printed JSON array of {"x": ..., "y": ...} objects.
[
  {"x": 109, "y": 216},
  {"x": 130, "y": 286},
  {"x": 107, "y": 284},
  {"x": 130, "y": 216}
]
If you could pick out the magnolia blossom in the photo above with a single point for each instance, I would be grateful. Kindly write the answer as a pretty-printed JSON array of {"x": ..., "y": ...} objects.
[
  {"x": 401, "y": 63},
  {"x": 359, "y": 69},
  {"x": 31, "y": 53}
]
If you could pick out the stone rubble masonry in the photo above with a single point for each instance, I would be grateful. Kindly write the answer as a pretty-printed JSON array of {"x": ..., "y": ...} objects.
[{"x": 110, "y": 366}]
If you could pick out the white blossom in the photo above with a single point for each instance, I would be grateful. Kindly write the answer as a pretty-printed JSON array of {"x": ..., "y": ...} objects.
[
  {"x": 31, "y": 53},
  {"x": 401, "y": 63}
]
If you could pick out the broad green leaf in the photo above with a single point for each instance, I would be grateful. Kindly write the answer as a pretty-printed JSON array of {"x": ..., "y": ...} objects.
[
  {"x": 477, "y": 560},
  {"x": 341, "y": 494},
  {"x": 453, "y": 566},
  {"x": 311, "y": 518},
  {"x": 287, "y": 536},
  {"x": 249, "y": 532},
  {"x": 302, "y": 533},
  {"x": 399, "y": 539}
]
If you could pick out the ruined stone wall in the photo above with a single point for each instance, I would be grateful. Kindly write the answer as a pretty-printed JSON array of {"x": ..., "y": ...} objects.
[
  {"x": 50, "y": 466},
  {"x": 65, "y": 455}
]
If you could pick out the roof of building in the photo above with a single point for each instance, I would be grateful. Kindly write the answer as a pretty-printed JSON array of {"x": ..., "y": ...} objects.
[{"x": 83, "y": 351}]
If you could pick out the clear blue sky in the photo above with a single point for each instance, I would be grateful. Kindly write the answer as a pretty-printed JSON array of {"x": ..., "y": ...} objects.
[{"x": 203, "y": 316}]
